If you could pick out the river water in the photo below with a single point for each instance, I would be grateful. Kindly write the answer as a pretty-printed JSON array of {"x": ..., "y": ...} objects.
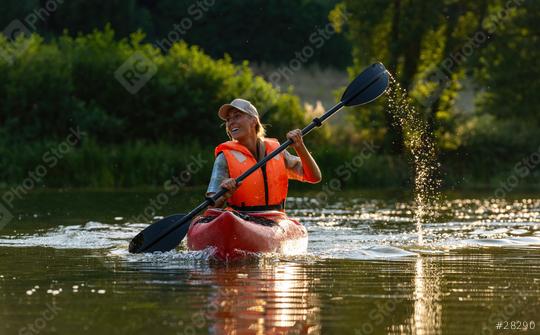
[{"x": 370, "y": 269}]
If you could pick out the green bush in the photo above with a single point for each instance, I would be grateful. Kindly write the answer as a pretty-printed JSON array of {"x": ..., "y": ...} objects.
[
  {"x": 360, "y": 166},
  {"x": 89, "y": 164},
  {"x": 139, "y": 163},
  {"x": 71, "y": 82}
]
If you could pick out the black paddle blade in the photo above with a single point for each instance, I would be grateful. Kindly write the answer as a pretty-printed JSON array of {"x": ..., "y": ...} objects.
[
  {"x": 368, "y": 86},
  {"x": 145, "y": 240}
]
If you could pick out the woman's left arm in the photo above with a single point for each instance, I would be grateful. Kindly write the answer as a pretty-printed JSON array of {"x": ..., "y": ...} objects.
[{"x": 312, "y": 173}]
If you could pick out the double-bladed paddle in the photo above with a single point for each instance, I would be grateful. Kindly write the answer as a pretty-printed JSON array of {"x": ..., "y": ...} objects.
[{"x": 166, "y": 234}]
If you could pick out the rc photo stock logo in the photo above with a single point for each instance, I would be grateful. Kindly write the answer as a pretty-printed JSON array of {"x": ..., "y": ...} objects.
[
  {"x": 17, "y": 28},
  {"x": 442, "y": 82},
  {"x": 13, "y": 31},
  {"x": 49, "y": 160},
  {"x": 5, "y": 216},
  {"x": 135, "y": 72}
]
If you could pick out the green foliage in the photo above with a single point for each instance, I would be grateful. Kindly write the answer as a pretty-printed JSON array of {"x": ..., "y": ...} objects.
[
  {"x": 417, "y": 39},
  {"x": 411, "y": 38},
  {"x": 508, "y": 69},
  {"x": 356, "y": 167},
  {"x": 138, "y": 163},
  {"x": 90, "y": 164},
  {"x": 60, "y": 80},
  {"x": 70, "y": 82},
  {"x": 486, "y": 136},
  {"x": 258, "y": 30}
]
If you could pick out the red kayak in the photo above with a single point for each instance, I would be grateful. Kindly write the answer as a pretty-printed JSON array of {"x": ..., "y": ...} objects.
[{"x": 234, "y": 235}]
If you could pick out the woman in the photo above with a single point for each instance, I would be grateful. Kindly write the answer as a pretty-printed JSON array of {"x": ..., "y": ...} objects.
[{"x": 266, "y": 188}]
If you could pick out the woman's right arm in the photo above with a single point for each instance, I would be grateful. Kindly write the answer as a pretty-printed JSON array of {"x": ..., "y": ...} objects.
[{"x": 220, "y": 178}]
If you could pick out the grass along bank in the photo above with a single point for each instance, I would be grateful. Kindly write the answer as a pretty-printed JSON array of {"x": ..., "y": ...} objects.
[{"x": 139, "y": 164}]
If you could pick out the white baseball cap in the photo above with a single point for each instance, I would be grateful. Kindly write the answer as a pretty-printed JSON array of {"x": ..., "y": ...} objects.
[{"x": 240, "y": 104}]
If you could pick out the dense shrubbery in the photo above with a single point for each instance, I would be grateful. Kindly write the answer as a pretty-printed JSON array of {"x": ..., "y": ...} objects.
[
  {"x": 152, "y": 164},
  {"x": 141, "y": 163},
  {"x": 70, "y": 81},
  {"x": 140, "y": 139},
  {"x": 90, "y": 164}
]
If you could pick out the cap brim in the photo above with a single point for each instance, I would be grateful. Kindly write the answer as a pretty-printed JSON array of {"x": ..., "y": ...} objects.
[{"x": 225, "y": 109}]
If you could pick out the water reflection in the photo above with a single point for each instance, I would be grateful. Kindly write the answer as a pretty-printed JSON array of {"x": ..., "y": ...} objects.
[
  {"x": 273, "y": 299},
  {"x": 427, "y": 317}
]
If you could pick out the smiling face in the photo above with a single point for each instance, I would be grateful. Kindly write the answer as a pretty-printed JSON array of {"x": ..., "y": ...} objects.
[{"x": 240, "y": 125}]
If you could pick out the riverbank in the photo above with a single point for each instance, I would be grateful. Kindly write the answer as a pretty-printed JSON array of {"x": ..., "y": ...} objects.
[{"x": 88, "y": 164}]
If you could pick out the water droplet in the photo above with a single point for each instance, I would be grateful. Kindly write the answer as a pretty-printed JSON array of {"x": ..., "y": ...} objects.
[{"x": 420, "y": 142}]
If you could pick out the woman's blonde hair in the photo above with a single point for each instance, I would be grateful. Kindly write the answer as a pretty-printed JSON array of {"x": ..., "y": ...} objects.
[{"x": 260, "y": 129}]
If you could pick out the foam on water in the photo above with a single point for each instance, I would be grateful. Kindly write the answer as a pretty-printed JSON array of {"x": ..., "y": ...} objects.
[
  {"x": 92, "y": 235},
  {"x": 366, "y": 253}
]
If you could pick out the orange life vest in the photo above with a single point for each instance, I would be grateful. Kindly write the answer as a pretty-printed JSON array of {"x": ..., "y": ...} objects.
[{"x": 266, "y": 188}]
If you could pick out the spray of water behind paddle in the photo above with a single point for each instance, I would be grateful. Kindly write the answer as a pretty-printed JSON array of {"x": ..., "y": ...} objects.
[{"x": 421, "y": 145}]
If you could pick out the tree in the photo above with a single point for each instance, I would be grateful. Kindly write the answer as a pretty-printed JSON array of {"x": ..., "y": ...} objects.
[{"x": 391, "y": 32}]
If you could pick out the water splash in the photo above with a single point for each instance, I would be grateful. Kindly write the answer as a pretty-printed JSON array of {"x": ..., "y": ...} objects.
[{"x": 421, "y": 145}]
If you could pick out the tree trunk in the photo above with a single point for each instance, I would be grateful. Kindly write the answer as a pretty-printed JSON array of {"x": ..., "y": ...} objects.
[
  {"x": 395, "y": 131},
  {"x": 453, "y": 14}
]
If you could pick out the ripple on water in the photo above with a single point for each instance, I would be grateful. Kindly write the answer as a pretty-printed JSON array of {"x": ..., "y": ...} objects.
[
  {"x": 356, "y": 229},
  {"x": 501, "y": 242},
  {"x": 372, "y": 252},
  {"x": 92, "y": 235}
]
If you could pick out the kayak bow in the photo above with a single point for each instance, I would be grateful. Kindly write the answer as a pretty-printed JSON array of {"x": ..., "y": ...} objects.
[{"x": 233, "y": 235}]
